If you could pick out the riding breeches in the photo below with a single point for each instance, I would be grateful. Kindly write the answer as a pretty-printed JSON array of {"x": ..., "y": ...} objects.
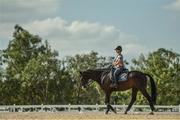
[{"x": 116, "y": 73}]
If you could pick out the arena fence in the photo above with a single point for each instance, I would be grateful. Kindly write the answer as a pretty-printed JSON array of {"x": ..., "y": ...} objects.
[{"x": 85, "y": 108}]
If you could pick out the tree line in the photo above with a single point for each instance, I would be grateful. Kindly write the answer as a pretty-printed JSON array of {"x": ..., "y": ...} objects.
[{"x": 32, "y": 73}]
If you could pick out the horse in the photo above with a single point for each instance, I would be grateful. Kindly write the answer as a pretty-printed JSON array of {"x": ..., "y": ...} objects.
[{"x": 136, "y": 80}]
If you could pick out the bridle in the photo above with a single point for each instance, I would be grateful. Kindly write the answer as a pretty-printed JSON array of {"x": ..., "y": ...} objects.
[
  {"x": 79, "y": 90},
  {"x": 90, "y": 82}
]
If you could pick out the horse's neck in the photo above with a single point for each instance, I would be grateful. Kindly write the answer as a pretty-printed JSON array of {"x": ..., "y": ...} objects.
[{"x": 96, "y": 75}]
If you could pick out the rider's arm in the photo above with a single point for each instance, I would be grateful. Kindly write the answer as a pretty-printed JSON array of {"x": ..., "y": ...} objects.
[{"x": 118, "y": 63}]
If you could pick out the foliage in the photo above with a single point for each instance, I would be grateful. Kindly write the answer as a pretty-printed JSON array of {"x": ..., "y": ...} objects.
[
  {"x": 32, "y": 70},
  {"x": 81, "y": 63},
  {"x": 34, "y": 75},
  {"x": 164, "y": 66},
  {"x": 31, "y": 73}
]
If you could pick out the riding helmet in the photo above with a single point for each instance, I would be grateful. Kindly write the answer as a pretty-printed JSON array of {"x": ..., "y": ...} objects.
[{"x": 118, "y": 48}]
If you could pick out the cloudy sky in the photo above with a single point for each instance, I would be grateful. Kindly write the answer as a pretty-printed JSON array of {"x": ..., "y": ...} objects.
[{"x": 79, "y": 26}]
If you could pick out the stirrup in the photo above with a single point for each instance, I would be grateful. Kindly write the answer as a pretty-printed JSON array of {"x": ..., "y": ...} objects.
[{"x": 113, "y": 85}]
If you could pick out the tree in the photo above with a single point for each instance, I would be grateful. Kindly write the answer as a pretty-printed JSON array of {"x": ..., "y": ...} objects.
[
  {"x": 32, "y": 72},
  {"x": 164, "y": 66},
  {"x": 34, "y": 75},
  {"x": 1, "y": 76},
  {"x": 81, "y": 63}
]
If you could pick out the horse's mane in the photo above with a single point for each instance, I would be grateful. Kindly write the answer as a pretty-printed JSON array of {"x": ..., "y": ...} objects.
[{"x": 99, "y": 70}]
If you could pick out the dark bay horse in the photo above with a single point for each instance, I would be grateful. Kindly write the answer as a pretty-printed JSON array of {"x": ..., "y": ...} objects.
[{"x": 137, "y": 81}]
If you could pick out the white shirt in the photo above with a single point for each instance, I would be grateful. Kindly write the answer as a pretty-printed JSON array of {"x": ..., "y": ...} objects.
[{"x": 118, "y": 57}]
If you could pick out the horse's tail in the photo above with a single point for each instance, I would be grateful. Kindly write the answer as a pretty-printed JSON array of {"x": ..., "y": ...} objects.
[{"x": 153, "y": 89}]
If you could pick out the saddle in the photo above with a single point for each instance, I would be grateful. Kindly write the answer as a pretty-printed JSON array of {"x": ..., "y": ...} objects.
[
  {"x": 123, "y": 75},
  {"x": 109, "y": 72}
]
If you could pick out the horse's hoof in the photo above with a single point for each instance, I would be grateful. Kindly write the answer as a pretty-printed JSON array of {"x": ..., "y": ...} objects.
[
  {"x": 125, "y": 112},
  {"x": 106, "y": 112},
  {"x": 151, "y": 113},
  {"x": 114, "y": 110}
]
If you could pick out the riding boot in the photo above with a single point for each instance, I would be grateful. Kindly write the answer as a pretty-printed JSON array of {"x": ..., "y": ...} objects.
[{"x": 114, "y": 84}]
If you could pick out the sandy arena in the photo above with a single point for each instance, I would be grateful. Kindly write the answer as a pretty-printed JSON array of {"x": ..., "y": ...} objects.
[{"x": 86, "y": 116}]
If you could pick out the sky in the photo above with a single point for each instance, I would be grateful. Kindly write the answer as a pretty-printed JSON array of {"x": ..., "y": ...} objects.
[{"x": 80, "y": 26}]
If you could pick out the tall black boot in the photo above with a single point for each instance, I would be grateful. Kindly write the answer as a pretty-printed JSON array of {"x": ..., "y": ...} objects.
[{"x": 114, "y": 84}]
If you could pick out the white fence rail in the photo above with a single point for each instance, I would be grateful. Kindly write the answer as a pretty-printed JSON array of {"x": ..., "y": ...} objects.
[{"x": 85, "y": 108}]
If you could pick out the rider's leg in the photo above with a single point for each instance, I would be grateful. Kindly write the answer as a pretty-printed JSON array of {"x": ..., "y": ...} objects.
[
  {"x": 112, "y": 74},
  {"x": 116, "y": 73}
]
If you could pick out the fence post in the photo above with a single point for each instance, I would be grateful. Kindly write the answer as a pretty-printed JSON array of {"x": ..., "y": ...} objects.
[
  {"x": 96, "y": 107},
  {"x": 41, "y": 107},
  {"x": 132, "y": 109},
  {"x": 124, "y": 107},
  {"x": 69, "y": 107},
  {"x": 14, "y": 109},
  {"x": 21, "y": 110}
]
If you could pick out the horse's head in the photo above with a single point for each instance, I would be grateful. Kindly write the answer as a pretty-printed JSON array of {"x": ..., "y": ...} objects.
[{"x": 85, "y": 79}]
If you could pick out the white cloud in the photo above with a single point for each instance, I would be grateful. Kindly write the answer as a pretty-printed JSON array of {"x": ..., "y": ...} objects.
[
  {"x": 27, "y": 10},
  {"x": 175, "y": 6},
  {"x": 74, "y": 37},
  {"x": 69, "y": 38},
  {"x": 23, "y": 11}
]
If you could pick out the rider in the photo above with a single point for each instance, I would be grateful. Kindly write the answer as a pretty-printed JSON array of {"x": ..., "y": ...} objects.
[{"x": 118, "y": 65}]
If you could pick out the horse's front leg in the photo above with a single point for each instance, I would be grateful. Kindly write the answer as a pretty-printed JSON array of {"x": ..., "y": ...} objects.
[
  {"x": 107, "y": 99},
  {"x": 107, "y": 102}
]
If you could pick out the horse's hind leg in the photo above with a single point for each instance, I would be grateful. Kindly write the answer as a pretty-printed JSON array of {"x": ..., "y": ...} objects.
[
  {"x": 107, "y": 109},
  {"x": 145, "y": 93},
  {"x": 133, "y": 99},
  {"x": 112, "y": 109}
]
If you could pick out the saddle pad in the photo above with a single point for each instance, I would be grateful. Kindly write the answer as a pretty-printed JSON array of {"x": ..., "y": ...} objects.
[{"x": 123, "y": 77}]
